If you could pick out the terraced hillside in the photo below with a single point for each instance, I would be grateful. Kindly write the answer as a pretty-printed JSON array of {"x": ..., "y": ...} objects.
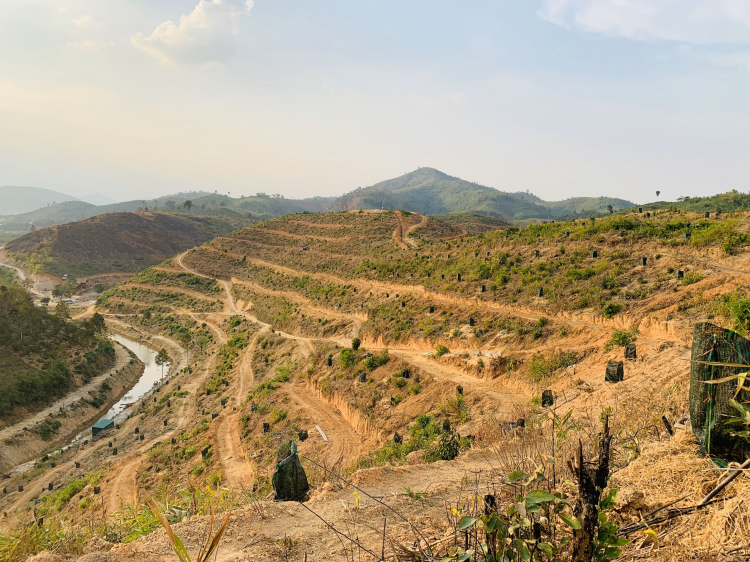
[{"x": 401, "y": 353}]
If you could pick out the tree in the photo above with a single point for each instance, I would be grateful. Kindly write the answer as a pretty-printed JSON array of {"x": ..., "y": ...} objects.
[
  {"x": 356, "y": 343},
  {"x": 62, "y": 311},
  {"x": 97, "y": 325},
  {"x": 610, "y": 209},
  {"x": 186, "y": 339},
  {"x": 657, "y": 194},
  {"x": 188, "y": 205},
  {"x": 162, "y": 359},
  {"x": 65, "y": 289}
]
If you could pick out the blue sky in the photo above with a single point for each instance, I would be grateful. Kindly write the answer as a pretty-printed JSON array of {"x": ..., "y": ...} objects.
[{"x": 133, "y": 98}]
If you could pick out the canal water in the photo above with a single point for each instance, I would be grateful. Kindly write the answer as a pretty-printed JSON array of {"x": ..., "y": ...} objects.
[{"x": 151, "y": 376}]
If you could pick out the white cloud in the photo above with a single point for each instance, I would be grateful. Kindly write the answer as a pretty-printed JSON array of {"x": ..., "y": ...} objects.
[
  {"x": 84, "y": 21},
  {"x": 699, "y": 22},
  {"x": 206, "y": 35},
  {"x": 89, "y": 46}
]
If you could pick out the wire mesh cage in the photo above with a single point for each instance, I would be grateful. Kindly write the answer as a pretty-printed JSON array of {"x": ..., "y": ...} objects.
[{"x": 710, "y": 407}]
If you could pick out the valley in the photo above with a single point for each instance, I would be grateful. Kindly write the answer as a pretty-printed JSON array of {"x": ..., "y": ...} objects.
[{"x": 342, "y": 331}]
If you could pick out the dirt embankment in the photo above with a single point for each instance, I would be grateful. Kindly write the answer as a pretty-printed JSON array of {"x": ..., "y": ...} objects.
[
  {"x": 361, "y": 425},
  {"x": 20, "y": 443}
]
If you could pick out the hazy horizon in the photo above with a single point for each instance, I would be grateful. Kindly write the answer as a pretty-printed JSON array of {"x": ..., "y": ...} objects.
[{"x": 563, "y": 98}]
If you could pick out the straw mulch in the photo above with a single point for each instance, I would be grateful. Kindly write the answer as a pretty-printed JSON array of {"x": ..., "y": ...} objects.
[{"x": 673, "y": 471}]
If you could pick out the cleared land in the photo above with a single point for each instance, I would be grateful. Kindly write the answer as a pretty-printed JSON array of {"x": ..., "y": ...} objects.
[{"x": 275, "y": 347}]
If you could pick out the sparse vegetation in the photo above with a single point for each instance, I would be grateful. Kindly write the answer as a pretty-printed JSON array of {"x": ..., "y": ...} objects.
[{"x": 621, "y": 338}]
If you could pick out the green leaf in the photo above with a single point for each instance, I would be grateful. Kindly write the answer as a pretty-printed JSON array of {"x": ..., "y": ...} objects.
[
  {"x": 611, "y": 553},
  {"x": 570, "y": 521},
  {"x": 608, "y": 501},
  {"x": 465, "y": 522},
  {"x": 517, "y": 476},
  {"x": 522, "y": 549},
  {"x": 539, "y": 496},
  {"x": 547, "y": 549}
]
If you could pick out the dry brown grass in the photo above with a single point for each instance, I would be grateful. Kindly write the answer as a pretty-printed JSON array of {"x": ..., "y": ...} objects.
[{"x": 673, "y": 470}]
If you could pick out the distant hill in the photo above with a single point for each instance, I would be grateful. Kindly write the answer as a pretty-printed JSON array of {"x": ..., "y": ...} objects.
[
  {"x": 257, "y": 207},
  {"x": 471, "y": 224},
  {"x": 97, "y": 199},
  {"x": 261, "y": 205},
  {"x": 16, "y": 200},
  {"x": 115, "y": 242},
  {"x": 729, "y": 202},
  {"x": 432, "y": 192}
]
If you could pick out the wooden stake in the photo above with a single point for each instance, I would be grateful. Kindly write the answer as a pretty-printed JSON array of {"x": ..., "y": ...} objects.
[{"x": 724, "y": 483}]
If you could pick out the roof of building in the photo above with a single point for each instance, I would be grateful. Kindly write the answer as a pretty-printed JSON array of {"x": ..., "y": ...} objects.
[{"x": 103, "y": 423}]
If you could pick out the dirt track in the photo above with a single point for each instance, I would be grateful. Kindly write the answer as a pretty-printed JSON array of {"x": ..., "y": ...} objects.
[{"x": 122, "y": 358}]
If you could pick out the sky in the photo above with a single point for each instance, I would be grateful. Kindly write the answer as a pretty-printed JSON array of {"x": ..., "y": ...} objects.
[{"x": 137, "y": 98}]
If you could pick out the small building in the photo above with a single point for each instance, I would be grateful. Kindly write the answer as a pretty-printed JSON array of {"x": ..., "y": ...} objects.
[{"x": 102, "y": 425}]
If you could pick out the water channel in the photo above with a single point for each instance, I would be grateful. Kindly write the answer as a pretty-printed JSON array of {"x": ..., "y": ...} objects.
[{"x": 152, "y": 374}]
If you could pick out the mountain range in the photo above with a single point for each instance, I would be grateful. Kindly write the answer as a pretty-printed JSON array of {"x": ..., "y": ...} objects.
[
  {"x": 425, "y": 190},
  {"x": 432, "y": 192}
]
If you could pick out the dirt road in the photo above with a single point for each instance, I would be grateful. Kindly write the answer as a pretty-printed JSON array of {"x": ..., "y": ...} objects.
[{"x": 122, "y": 358}]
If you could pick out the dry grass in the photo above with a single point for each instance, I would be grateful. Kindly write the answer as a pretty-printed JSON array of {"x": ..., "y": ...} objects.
[{"x": 673, "y": 470}]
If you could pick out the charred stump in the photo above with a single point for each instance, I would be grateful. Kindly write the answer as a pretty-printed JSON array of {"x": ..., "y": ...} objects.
[{"x": 591, "y": 482}]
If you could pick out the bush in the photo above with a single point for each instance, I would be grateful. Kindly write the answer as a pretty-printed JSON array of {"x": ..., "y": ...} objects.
[
  {"x": 737, "y": 308},
  {"x": 398, "y": 382},
  {"x": 348, "y": 358},
  {"x": 215, "y": 479},
  {"x": 610, "y": 309},
  {"x": 691, "y": 277},
  {"x": 441, "y": 350},
  {"x": 278, "y": 415},
  {"x": 356, "y": 343},
  {"x": 621, "y": 338},
  {"x": 374, "y": 361},
  {"x": 542, "y": 366},
  {"x": 100, "y": 287}
]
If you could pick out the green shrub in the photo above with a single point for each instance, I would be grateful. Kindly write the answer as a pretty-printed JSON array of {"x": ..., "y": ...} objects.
[
  {"x": 610, "y": 309},
  {"x": 374, "y": 361},
  {"x": 347, "y": 358},
  {"x": 691, "y": 277},
  {"x": 542, "y": 367},
  {"x": 215, "y": 479},
  {"x": 398, "y": 382},
  {"x": 441, "y": 350},
  {"x": 278, "y": 415},
  {"x": 356, "y": 343},
  {"x": 621, "y": 338}
]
